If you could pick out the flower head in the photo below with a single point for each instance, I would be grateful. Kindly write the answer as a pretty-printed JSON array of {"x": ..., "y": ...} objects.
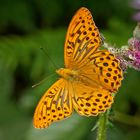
[
  {"x": 134, "y": 49},
  {"x": 129, "y": 56}
]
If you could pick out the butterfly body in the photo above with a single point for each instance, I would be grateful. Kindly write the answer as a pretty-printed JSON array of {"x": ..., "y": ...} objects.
[
  {"x": 88, "y": 80},
  {"x": 68, "y": 74}
]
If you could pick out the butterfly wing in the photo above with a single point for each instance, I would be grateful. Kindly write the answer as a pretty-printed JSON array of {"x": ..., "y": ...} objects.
[
  {"x": 89, "y": 101},
  {"x": 56, "y": 104},
  {"x": 99, "y": 71},
  {"x": 103, "y": 70},
  {"x": 99, "y": 75},
  {"x": 107, "y": 66},
  {"x": 82, "y": 39}
]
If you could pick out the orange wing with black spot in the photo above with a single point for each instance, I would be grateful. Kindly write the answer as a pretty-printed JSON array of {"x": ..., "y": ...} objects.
[
  {"x": 82, "y": 39},
  {"x": 103, "y": 70},
  {"x": 90, "y": 101},
  {"x": 56, "y": 104}
]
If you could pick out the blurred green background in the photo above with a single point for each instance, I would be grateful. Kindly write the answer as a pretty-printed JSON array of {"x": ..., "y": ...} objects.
[{"x": 27, "y": 25}]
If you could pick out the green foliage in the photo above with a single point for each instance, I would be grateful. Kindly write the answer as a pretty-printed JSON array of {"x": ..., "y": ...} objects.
[
  {"x": 16, "y": 14},
  {"x": 25, "y": 16},
  {"x": 23, "y": 64},
  {"x": 117, "y": 28}
]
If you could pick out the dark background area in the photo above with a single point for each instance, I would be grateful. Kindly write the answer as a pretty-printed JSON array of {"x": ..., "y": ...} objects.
[{"x": 27, "y": 25}]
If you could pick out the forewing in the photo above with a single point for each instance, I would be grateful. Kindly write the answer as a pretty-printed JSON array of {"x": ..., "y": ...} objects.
[
  {"x": 56, "y": 104},
  {"x": 82, "y": 39},
  {"x": 88, "y": 101}
]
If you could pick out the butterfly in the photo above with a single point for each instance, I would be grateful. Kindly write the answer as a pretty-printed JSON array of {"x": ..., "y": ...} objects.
[{"x": 88, "y": 80}]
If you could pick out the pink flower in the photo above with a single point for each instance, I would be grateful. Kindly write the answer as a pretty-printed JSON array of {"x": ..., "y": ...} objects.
[
  {"x": 134, "y": 49},
  {"x": 129, "y": 56}
]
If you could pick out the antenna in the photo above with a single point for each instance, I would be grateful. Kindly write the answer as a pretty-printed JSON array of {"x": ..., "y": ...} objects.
[
  {"x": 44, "y": 50},
  {"x": 42, "y": 80}
]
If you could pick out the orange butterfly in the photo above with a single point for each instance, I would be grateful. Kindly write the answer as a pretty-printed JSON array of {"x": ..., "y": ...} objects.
[{"x": 88, "y": 80}]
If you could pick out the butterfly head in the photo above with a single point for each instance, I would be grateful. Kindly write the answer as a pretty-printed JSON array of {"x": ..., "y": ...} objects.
[{"x": 59, "y": 71}]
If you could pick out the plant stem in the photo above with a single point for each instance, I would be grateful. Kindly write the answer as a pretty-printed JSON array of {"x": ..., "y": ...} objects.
[{"x": 102, "y": 127}]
